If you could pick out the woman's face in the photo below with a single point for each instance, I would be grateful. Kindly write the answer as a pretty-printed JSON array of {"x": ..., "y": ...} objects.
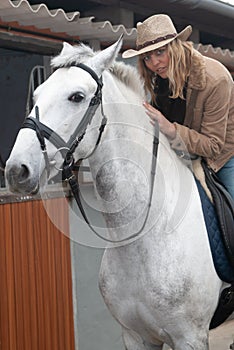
[{"x": 157, "y": 61}]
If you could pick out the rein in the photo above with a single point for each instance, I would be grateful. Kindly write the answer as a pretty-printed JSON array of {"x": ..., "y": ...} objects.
[
  {"x": 68, "y": 148},
  {"x": 76, "y": 190}
]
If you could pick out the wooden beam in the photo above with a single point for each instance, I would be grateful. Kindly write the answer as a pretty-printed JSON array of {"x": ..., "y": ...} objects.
[
  {"x": 29, "y": 44},
  {"x": 32, "y": 39}
]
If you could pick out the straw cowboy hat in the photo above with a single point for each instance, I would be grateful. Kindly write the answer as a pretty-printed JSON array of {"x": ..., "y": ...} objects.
[{"x": 155, "y": 32}]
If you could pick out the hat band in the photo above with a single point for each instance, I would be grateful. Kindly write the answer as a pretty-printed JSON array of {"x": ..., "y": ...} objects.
[{"x": 162, "y": 38}]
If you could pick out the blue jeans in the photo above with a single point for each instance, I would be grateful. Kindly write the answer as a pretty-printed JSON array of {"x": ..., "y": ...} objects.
[{"x": 226, "y": 175}]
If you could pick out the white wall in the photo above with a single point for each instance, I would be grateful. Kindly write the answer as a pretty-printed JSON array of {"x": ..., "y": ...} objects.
[{"x": 95, "y": 328}]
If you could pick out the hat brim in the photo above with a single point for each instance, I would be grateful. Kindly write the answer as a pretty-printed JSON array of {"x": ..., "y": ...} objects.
[{"x": 183, "y": 35}]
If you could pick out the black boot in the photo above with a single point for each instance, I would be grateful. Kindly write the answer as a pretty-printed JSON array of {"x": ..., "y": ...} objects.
[{"x": 224, "y": 309}]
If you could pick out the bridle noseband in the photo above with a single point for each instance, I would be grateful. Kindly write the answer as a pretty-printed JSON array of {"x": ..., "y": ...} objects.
[{"x": 67, "y": 149}]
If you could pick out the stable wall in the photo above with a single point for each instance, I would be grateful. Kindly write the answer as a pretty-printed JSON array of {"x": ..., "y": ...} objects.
[{"x": 15, "y": 69}]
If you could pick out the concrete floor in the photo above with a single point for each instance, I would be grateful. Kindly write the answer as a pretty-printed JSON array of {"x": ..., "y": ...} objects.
[{"x": 221, "y": 337}]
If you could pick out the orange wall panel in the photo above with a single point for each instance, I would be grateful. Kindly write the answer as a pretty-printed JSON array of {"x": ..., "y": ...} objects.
[{"x": 36, "y": 311}]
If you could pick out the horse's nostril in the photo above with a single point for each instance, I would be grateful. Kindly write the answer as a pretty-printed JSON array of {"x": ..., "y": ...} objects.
[
  {"x": 24, "y": 172},
  {"x": 17, "y": 174}
]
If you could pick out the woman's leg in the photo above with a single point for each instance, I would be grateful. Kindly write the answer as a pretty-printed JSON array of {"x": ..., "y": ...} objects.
[{"x": 226, "y": 175}]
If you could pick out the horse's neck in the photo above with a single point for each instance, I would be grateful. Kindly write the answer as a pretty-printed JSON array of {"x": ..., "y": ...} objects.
[
  {"x": 128, "y": 134},
  {"x": 119, "y": 162},
  {"x": 121, "y": 165}
]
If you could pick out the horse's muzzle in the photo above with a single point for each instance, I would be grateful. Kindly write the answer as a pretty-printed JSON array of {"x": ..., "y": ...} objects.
[{"x": 20, "y": 180}]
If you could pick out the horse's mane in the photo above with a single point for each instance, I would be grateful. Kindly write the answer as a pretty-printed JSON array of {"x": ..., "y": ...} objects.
[
  {"x": 81, "y": 53},
  {"x": 129, "y": 76}
]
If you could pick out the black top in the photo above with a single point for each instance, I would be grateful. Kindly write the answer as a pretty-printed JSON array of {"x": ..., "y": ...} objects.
[{"x": 172, "y": 108}]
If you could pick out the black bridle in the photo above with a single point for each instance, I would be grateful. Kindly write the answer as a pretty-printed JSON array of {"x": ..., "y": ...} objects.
[{"x": 68, "y": 148}]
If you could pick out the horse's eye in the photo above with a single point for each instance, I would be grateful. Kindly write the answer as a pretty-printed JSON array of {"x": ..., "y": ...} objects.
[{"x": 76, "y": 97}]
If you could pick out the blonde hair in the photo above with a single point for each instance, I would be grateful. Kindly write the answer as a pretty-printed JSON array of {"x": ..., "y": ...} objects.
[{"x": 180, "y": 58}]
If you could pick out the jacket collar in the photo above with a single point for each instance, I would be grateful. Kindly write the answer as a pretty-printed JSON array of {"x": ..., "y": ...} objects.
[{"x": 197, "y": 77}]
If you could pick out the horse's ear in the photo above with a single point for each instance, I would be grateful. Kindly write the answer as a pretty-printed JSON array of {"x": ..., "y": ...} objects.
[
  {"x": 104, "y": 59},
  {"x": 67, "y": 49}
]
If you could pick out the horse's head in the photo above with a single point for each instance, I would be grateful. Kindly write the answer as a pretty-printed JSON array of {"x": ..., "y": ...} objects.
[{"x": 61, "y": 103}]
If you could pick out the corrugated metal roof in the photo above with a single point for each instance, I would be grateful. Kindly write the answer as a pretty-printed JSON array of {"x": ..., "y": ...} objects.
[
  {"x": 85, "y": 28},
  {"x": 59, "y": 21},
  {"x": 224, "y": 56}
]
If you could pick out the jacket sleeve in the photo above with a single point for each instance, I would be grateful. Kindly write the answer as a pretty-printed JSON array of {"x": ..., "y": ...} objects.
[{"x": 209, "y": 140}]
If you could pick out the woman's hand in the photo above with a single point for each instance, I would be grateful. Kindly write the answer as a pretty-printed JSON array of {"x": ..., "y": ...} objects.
[{"x": 166, "y": 127}]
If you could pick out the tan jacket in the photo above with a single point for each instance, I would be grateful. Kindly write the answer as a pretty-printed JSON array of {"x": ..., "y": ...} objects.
[{"x": 208, "y": 128}]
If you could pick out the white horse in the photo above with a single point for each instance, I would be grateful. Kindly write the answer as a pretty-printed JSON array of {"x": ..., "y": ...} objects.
[{"x": 161, "y": 286}]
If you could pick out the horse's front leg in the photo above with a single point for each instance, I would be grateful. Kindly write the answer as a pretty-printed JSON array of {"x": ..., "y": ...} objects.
[{"x": 133, "y": 341}]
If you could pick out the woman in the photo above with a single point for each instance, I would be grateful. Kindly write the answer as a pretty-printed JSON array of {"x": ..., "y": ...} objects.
[{"x": 192, "y": 96}]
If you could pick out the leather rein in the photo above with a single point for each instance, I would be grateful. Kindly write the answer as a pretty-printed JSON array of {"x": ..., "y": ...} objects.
[{"x": 67, "y": 149}]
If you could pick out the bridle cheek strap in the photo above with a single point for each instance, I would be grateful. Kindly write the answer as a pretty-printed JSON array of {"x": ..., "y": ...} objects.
[
  {"x": 35, "y": 125},
  {"x": 67, "y": 148}
]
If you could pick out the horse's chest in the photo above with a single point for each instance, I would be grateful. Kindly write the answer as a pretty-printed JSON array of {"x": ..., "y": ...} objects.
[
  {"x": 138, "y": 283},
  {"x": 130, "y": 299},
  {"x": 119, "y": 277},
  {"x": 128, "y": 288}
]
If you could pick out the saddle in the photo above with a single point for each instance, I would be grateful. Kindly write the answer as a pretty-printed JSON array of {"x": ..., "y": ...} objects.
[
  {"x": 224, "y": 206},
  {"x": 220, "y": 204}
]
